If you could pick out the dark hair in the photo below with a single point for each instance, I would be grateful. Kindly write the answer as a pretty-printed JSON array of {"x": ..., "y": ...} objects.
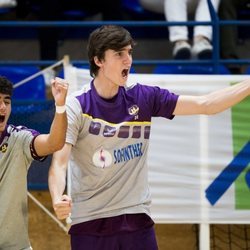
[
  {"x": 106, "y": 37},
  {"x": 6, "y": 86}
]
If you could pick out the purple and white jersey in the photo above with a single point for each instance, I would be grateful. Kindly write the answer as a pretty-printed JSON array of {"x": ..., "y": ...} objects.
[
  {"x": 16, "y": 155},
  {"x": 110, "y": 138}
]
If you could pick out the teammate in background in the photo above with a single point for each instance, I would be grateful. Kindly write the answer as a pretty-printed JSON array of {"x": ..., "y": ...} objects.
[
  {"x": 19, "y": 146},
  {"x": 107, "y": 143}
]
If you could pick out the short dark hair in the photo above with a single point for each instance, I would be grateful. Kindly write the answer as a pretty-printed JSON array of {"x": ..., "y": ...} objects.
[
  {"x": 106, "y": 37},
  {"x": 6, "y": 86}
]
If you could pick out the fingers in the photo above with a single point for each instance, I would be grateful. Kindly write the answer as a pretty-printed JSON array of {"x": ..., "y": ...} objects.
[
  {"x": 66, "y": 198},
  {"x": 59, "y": 83},
  {"x": 59, "y": 90},
  {"x": 62, "y": 210},
  {"x": 62, "y": 82}
]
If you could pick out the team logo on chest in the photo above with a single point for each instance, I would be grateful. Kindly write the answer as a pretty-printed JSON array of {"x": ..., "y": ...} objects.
[
  {"x": 134, "y": 110},
  {"x": 3, "y": 148}
]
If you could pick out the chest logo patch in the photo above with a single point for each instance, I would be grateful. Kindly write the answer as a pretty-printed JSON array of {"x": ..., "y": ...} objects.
[
  {"x": 102, "y": 158},
  {"x": 134, "y": 110},
  {"x": 3, "y": 148}
]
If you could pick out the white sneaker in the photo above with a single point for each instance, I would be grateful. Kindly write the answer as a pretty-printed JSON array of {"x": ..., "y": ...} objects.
[
  {"x": 202, "y": 49},
  {"x": 182, "y": 50}
]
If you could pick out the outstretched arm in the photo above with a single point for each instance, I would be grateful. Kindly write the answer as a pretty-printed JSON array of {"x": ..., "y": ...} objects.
[
  {"x": 57, "y": 182},
  {"x": 46, "y": 144},
  {"x": 213, "y": 102}
]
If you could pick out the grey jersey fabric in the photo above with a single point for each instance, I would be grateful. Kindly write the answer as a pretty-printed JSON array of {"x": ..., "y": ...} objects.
[
  {"x": 110, "y": 138},
  {"x": 15, "y": 159}
]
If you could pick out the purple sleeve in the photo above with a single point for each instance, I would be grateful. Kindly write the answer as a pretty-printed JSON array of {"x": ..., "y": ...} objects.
[{"x": 161, "y": 102}]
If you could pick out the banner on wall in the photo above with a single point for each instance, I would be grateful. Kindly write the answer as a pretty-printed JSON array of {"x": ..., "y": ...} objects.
[{"x": 199, "y": 166}]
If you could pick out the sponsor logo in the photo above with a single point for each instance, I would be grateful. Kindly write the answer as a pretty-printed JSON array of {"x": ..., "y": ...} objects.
[
  {"x": 128, "y": 153},
  {"x": 102, "y": 158}
]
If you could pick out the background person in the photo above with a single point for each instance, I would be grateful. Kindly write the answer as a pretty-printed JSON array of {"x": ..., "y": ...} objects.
[
  {"x": 19, "y": 146},
  {"x": 180, "y": 11}
]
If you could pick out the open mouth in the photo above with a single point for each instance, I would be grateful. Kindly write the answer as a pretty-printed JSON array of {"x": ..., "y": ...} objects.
[
  {"x": 2, "y": 117},
  {"x": 125, "y": 73}
]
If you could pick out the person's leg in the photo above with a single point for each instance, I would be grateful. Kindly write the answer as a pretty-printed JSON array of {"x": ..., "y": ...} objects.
[
  {"x": 202, "y": 48},
  {"x": 176, "y": 10},
  {"x": 88, "y": 242},
  {"x": 229, "y": 33},
  {"x": 202, "y": 14},
  {"x": 140, "y": 240}
]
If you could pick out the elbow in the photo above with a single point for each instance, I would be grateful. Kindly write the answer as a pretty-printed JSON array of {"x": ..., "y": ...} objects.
[
  {"x": 57, "y": 145},
  {"x": 60, "y": 145}
]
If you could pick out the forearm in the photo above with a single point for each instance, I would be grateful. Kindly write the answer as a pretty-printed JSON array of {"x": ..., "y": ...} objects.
[
  {"x": 223, "y": 99},
  {"x": 213, "y": 102},
  {"x": 57, "y": 135},
  {"x": 58, "y": 130},
  {"x": 57, "y": 182}
]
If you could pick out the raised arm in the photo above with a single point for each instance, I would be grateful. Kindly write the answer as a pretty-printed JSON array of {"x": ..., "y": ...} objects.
[
  {"x": 213, "y": 102},
  {"x": 57, "y": 182},
  {"x": 46, "y": 144}
]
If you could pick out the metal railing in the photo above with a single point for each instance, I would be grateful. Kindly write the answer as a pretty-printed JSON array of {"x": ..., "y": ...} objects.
[{"x": 215, "y": 61}]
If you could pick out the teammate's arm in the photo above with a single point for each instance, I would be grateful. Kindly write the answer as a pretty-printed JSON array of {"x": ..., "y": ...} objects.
[{"x": 46, "y": 144}]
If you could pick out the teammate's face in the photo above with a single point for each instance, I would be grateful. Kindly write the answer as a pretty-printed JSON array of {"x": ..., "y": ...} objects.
[
  {"x": 116, "y": 65},
  {"x": 5, "y": 109}
]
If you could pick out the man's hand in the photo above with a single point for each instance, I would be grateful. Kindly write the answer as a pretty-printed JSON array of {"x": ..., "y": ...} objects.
[
  {"x": 59, "y": 88},
  {"x": 63, "y": 207}
]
